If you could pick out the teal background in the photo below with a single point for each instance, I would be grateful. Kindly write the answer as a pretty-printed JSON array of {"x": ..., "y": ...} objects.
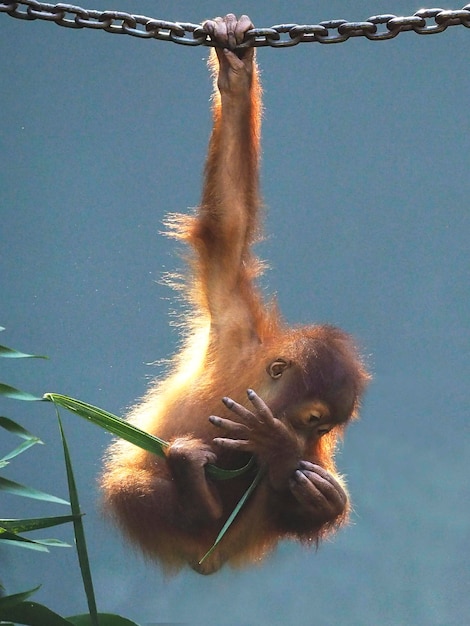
[{"x": 366, "y": 180}]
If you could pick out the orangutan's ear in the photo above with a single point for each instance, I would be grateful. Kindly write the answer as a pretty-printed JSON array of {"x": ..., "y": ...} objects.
[{"x": 277, "y": 367}]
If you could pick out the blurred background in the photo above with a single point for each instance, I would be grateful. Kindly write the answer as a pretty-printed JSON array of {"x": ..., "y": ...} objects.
[{"x": 366, "y": 181}]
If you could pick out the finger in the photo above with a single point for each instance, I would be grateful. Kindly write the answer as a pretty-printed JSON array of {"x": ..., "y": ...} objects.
[
  {"x": 304, "y": 490},
  {"x": 330, "y": 489},
  {"x": 215, "y": 27},
  {"x": 301, "y": 483},
  {"x": 233, "y": 444},
  {"x": 231, "y": 24},
  {"x": 243, "y": 24},
  {"x": 240, "y": 431},
  {"x": 209, "y": 26},
  {"x": 233, "y": 60},
  {"x": 262, "y": 409},
  {"x": 308, "y": 494},
  {"x": 243, "y": 413},
  {"x": 307, "y": 466}
]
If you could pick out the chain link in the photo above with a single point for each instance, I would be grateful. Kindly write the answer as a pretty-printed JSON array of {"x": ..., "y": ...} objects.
[{"x": 375, "y": 28}]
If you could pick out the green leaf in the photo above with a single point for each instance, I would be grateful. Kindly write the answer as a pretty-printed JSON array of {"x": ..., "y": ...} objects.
[
  {"x": 18, "y": 450},
  {"x": 9, "y": 353},
  {"x": 106, "y": 619},
  {"x": 35, "y": 523},
  {"x": 79, "y": 530},
  {"x": 234, "y": 513},
  {"x": 32, "y": 614},
  {"x": 52, "y": 543},
  {"x": 16, "y": 598},
  {"x": 10, "y": 486},
  {"x": 19, "y": 542},
  {"x": 219, "y": 473},
  {"x": 41, "y": 545},
  {"x": 16, "y": 394},
  {"x": 110, "y": 422},
  {"x": 10, "y": 529},
  {"x": 138, "y": 437},
  {"x": 17, "y": 429}
]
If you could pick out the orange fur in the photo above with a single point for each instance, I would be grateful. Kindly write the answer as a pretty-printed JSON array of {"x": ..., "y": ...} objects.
[{"x": 232, "y": 336}]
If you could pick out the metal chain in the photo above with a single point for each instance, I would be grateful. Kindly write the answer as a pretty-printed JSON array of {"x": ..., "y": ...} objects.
[{"x": 375, "y": 28}]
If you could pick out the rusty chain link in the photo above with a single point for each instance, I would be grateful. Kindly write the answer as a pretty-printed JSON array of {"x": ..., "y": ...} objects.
[{"x": 375, "y": 28}]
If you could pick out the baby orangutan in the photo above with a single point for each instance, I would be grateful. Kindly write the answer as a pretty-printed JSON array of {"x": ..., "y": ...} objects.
[{"x": 307, "y": 380}]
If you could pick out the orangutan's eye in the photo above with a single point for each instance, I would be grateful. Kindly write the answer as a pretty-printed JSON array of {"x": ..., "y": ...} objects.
[{"x": 315, "y": 416}]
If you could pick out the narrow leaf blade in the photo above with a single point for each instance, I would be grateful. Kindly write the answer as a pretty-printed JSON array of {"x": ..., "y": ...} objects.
[
  {"x": 80, "y": 541},
  {"x": 32, "y": 614},
  {"x": 10, "y": 353},
  {"x": 34, "y": 523},
  {"x": 9, "y": 486},
  {"x": 106, "y": 619},
  {"x": 17, "y": 394},
  {"x": 121, "y": 428},
  {"x": 16, "y": 598},
  {"x": 17, "y": 429},
  {"x": 21, "y": 542},
  {"x": 17, "y": 451},
  {"x": 233, "y": 515},
  {"x": 110, "y": 422}
]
